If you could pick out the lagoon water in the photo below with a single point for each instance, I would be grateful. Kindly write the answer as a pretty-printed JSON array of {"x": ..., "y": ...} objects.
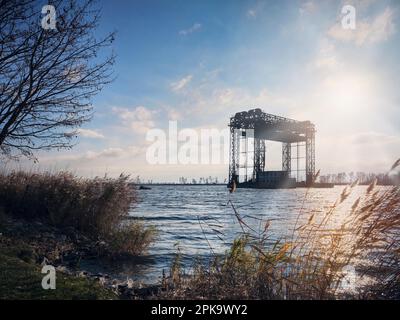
[{"x": 196, "y": 219}]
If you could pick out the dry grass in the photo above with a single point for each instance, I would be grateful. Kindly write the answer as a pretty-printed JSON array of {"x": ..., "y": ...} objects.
[
  {"x": 132, "y": 238},
  {"x": 95, "y": 207},
  {"x": 314, "y": 262}
]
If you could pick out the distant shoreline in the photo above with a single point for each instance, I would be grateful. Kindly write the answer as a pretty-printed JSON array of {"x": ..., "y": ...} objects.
[
  {"x": 224, "y": 184},
  {"x": 177, "y": 184}
]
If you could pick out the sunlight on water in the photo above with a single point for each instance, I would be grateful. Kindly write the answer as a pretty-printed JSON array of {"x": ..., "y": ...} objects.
[{"x": 177, "y": 212}]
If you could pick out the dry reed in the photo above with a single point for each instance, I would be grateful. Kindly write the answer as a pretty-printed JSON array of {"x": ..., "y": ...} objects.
[
  {"x": 96, "y": 207},
  {"x": 314, "y": 262}
]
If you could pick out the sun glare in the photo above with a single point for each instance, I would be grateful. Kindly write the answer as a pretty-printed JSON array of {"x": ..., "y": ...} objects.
[{"x": 348, "y": 93}]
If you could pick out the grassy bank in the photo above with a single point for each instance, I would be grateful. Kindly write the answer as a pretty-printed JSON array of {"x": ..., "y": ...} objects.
[
  {"x": 21, "y": 279},
  {"x": 21, "y": 259},
  {"x": 60, "y": 219}
]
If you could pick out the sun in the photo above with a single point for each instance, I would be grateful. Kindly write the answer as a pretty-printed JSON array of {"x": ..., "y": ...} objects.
[{"x": 348, "y": 93}]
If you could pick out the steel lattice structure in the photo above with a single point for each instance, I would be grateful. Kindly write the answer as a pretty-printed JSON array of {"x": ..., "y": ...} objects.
[{"x": 261, "y": 127}]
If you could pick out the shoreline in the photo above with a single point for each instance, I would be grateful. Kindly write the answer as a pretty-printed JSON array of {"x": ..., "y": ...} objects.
[{"x": 26, "y": 246}]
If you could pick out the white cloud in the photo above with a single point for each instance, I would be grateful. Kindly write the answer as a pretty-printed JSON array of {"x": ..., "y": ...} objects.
[
  {"x": 140, "y": 119},
  {"x": 106, "y": 153},
  {"x": 227, "y": 95},
  {"x": 326, "y": 56},
  {"x": 195, "y": 27},
  {"x": 88, "y": 157},
  {"x": 139, "y": 113},
  {"x": 326, "y": 62},
  {"x": 368, "y": 151},
  {"x": 210, "y": 96},
  {"x": 372, "y": 137},
  {"x": 174, "y": 114},
  {"x": 256, "y": 10},
  {"x": 307, "y": 8},
  {"x": 359, "y": 4},
  {"x": 251, "y": 13},
  {"x": 367, "y": 31},
  {"x": 180, "y": 84},
  {"x": 209, "y": 100},
  {"x": 88, "y": 133}
]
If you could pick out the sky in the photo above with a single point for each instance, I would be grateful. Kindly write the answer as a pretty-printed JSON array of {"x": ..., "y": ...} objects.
[{"x": 199, "y": 62}]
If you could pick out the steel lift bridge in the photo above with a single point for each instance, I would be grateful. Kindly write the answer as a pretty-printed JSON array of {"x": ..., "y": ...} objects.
[{"x": 249, "y": 131}]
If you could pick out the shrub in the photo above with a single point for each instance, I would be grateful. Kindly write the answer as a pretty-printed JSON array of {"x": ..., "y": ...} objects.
[
  {"x": 95, "y": 207},
  {"x": 132, "y": 239}
]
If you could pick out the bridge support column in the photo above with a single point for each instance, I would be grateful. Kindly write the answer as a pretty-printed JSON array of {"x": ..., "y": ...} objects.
[
  {"x": 259, "y": 157},
  {"x": 234, "y": 155},
  {"x": 287, "y": 157},
  {"x": 310, "y": 155}
]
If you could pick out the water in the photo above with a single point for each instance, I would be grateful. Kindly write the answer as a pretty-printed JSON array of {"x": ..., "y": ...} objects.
[{"x": 185, "y": 216}]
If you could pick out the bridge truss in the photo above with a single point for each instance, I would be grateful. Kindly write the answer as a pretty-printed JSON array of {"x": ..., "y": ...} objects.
[{"x": 258, "y": 127}]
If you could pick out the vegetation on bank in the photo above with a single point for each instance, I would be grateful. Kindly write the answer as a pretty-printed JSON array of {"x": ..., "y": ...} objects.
[
  {"x": 58, "y": 219},
  {"x": 21, "y": 279},
  {"x": 94, "y": 207},
  {"x": 333, "y": 255},
  {"x": 21, "y": 260}
]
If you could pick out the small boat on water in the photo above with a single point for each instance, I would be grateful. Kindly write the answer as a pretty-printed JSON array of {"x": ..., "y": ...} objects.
[{"x": 144, "y": 188}]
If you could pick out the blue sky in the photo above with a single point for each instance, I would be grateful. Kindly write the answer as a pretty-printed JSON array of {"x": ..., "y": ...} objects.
[{"x": 199, "y": 62}]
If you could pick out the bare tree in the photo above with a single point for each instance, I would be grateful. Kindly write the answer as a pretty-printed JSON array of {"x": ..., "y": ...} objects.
[{"x": 48, "y": 76}]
